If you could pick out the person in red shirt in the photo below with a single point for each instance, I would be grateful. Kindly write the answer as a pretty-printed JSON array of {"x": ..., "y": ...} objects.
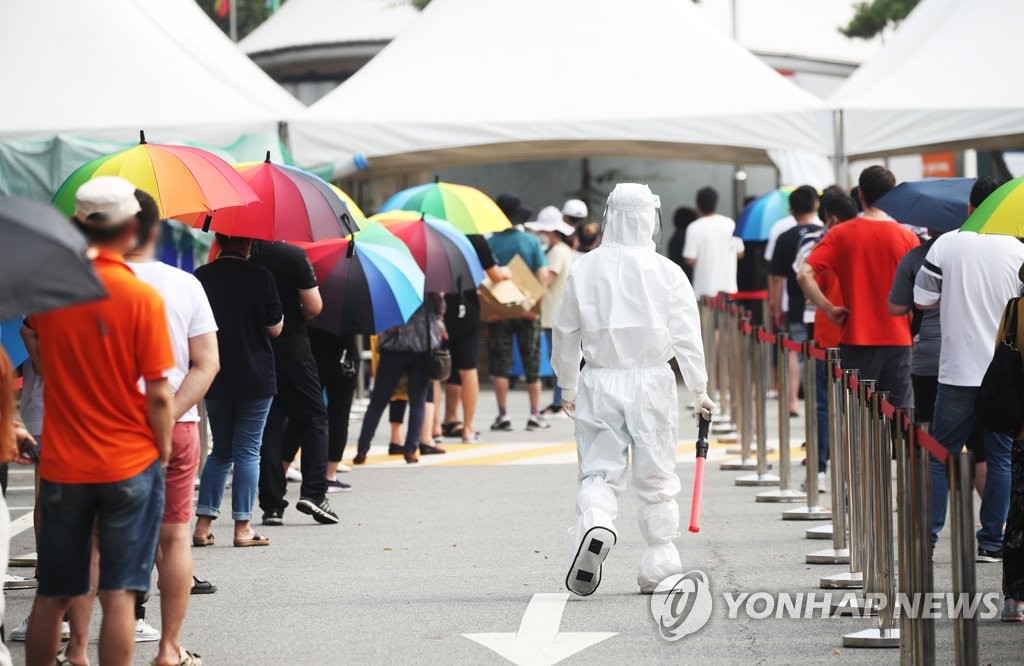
[
  {"x": 108, "y": 442},
  {"x": 862, "y": 254}
]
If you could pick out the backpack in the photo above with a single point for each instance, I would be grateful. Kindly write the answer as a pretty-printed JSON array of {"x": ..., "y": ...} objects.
[{"x": 999, "y": 406}]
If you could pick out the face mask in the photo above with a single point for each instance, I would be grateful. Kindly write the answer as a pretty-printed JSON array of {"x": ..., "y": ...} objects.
[{"x": 545, "y": 243}]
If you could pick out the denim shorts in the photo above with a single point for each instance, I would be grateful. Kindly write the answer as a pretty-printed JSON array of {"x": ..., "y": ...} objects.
[{"x": 125, "y": 515}]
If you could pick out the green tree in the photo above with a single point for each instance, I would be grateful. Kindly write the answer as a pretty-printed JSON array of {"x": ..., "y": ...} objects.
[
  {"x": 874, "y": 16},
  {"x": 250, "y": 14}
]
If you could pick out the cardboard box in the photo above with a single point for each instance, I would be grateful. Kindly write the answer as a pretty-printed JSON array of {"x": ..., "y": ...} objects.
[{"x": 513, "y": 298}]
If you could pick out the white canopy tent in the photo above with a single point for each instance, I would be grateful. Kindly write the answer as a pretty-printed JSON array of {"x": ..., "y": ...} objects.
[
  {"x": 943, "y": 81},
  {"x": 474, "y": 82},
  {"x": 81, "y": 76},
  {"x": 310, "y": 23}
]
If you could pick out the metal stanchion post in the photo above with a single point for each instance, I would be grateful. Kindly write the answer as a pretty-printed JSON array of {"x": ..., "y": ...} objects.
[
  {"x": 880, "y": 587},
  {"x": 710, "y": 344},
  {"x": 812, "y": 510},
  {"x": 836, "y": 426},
  {"x": 724, "y": 426},
  {"x": 853, "y": 578},
  {"x": 960, "y": 468},
  {"x": 783, "y": 493},
  {"x": 905, "y": 534},
  {"x": 745, "y": 388},
  {"x": 921, "y": 541},
  {"x": 761, "y": 477}
]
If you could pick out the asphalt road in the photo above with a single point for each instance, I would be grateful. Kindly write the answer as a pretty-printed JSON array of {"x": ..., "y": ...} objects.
[{"x": 425, "y": 554}]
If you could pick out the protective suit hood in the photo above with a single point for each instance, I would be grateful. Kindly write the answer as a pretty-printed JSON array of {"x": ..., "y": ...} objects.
[{"x": 631, "y": 217}]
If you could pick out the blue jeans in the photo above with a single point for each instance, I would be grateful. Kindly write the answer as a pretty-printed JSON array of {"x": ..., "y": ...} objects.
[
  {"x": 556, "y": 397},
  {"x": 821, "y": 369},
  {"x": 237, "y": 427},
  {"x": 952, "y": 425},
  {"x": 127, "y": 514}
]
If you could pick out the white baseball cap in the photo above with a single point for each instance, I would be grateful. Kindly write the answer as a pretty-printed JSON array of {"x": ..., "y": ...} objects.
[
  {"x": 106, "y": 201},
  {"x": 550, "y": 219},
  {"x": 575, "y": 208}
]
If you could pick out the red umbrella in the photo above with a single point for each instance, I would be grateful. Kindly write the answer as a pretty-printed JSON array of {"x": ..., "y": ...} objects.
[{"x": 294, "y": 205}]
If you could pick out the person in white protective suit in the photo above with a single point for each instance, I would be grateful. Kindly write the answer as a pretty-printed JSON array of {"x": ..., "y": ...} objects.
[{"x": 627, "y": 311}]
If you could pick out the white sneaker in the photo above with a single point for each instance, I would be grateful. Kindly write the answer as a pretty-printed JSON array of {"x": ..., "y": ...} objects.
[
  {"x": 21, "y": 631},
  {"x": 822, "y": 484},
  {"x": 344, "y": 469},
  {"x": 293, "y": 475},
  {"x": 145, "y": 632}
]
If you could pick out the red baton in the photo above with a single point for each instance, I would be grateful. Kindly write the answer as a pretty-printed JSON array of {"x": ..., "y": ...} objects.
[{"x": 698, "y": 476}]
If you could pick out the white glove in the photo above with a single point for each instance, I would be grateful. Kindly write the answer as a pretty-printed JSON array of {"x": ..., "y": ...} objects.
[
  {"x": 569, "y": 402},
  {"x": 708, "y": 407}
]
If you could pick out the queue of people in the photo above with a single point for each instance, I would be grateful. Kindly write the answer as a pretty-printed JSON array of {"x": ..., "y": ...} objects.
[
  {"x": 919, "y": 315},
  {"x": 116, "y": 386}
]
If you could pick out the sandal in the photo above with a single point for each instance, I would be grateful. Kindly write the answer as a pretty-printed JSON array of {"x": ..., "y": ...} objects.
[
  {"x": 202, "y": 542},
  {"x": 185, "y": 658},
  {"x": 255, "y": 540},
  {"x": 202, "y": 586},
  {"x": 452, "y": 429}
]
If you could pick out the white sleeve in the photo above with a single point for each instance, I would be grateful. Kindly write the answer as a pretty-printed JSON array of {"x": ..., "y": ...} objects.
[
  {"x": 769, "y": 249},
  {"x": 567, "y": 339},
  {"x": 690, "y": 242},
  {"x": 684, "y": 327}
]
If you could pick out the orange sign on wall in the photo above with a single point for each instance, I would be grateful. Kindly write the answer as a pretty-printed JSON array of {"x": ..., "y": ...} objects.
[{"x": 938, "y": 165}]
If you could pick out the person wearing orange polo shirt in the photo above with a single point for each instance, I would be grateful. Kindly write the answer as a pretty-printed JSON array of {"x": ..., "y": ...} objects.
[{"x": 108, "y": 442}]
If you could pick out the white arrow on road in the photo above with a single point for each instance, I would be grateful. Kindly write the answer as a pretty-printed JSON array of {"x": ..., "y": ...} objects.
[{"x": 538, "y": 642}]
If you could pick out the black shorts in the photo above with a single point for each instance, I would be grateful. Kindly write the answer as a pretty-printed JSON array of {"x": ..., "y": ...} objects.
[{"x": 463, "y": 334}]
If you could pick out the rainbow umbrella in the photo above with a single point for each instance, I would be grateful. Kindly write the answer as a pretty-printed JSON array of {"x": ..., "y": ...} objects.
[
  {"x": 183, "y": 180},
  {"x": 756, "y": 220},
  {"x": 467, "y": 209},
  {"x": 369, "y": 282},
  {"x": 294, "y": 205},
  {"x": 1001, "y": 213},
  {"x": 445, "y": 255},
  {"x": 354, "y": 210}
]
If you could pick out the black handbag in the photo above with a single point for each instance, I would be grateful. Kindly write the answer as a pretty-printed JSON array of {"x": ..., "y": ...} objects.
[{"x": 999, "y": 406}]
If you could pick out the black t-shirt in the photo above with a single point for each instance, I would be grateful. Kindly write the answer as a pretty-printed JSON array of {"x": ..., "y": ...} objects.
[
  {"x": 244, "y": 300},
  {"x": 292, "y": 272},
  {"x": 468, "y": 297},
  {"x": 781, "y": 265}
]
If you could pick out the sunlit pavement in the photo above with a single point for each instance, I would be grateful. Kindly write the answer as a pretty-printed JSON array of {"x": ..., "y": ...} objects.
[{"x": 460, "y": 544}]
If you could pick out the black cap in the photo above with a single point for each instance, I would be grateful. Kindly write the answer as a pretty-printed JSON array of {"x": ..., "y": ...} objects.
[{"x": 513, "y": 207}]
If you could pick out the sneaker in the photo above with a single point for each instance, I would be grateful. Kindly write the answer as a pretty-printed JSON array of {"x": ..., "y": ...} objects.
[
  {"x": 989, "y": 555},
  {"x": 19, "y": 633},
  {"x": 321, "y": 511},
  {"x": 585, "y": 572},
  {"x": 343, "y": 469},
  {"x": 274, "y": 518},
  {"x": 552, "y": 410},
  {"x": 501, "y": 423},
  {"x": 1013, "y": 611},
  {"x": 145, "y": 632},
  {"x": 822, "y": 484},
  {"x": 537, "y": 423},
  {"x": 293, "y": 475},
  {"x": 335, "y": 486}
]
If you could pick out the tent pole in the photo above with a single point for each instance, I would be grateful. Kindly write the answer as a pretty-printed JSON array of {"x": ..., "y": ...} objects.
[
  {"x": 840, "y": 161},
  {"x": 233, "y": 20}
]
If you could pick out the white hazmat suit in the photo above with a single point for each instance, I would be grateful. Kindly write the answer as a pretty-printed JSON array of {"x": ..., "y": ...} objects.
[{"x": 627, "y": 311}]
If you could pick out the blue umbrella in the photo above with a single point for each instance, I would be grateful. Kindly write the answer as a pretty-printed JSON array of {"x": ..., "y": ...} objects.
[
  {"x": 369, "y": 284},
  {"x": 935, "y": 203},
  {"x": 756, "y": 220},
  {"x": 11, "y": 341}
]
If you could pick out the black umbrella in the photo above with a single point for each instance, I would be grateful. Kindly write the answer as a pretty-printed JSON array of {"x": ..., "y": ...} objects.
[
  {"x": 43, "y": 260},
  {"x": 934, "y": 203}
]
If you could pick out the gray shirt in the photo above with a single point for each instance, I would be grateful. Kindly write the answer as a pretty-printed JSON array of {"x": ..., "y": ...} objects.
[{"x": 928, "y": 341}]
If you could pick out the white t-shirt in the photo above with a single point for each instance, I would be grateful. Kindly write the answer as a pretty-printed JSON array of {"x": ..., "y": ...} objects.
[
  {"x": 779, "y": 228},
  {"x": 188, "y": 315},
  {"x": 710, "y": 242},
  {"x": 971, "y": 276},
  {"x": 559, "y": 262}
]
